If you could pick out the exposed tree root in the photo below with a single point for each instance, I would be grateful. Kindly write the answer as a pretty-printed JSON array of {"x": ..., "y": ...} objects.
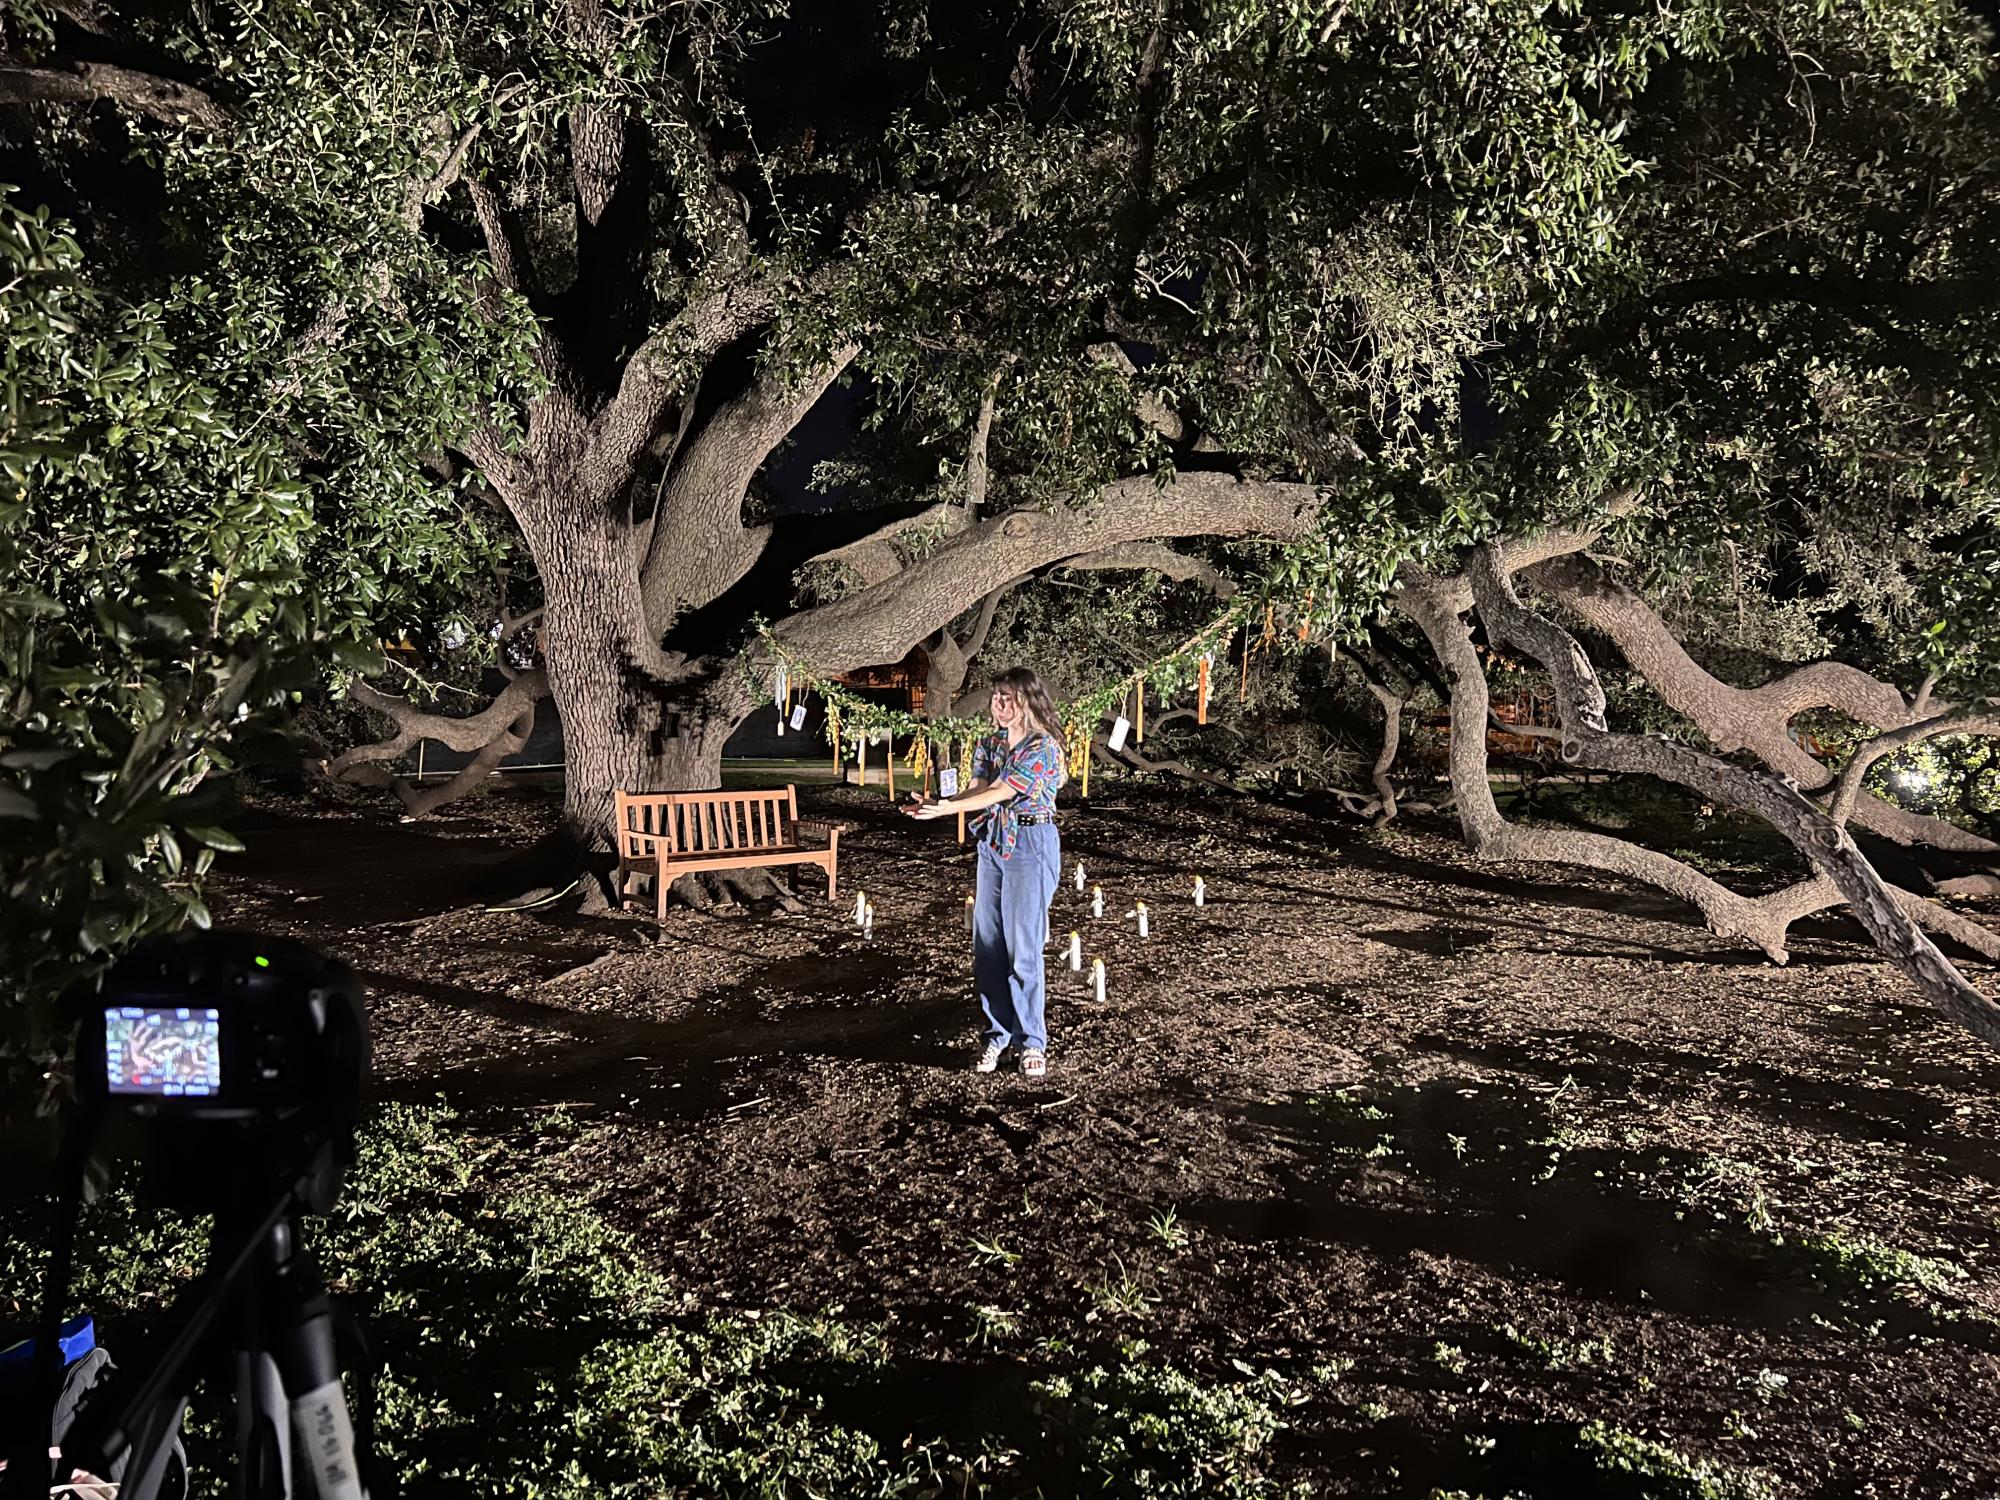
[{"x": 723, "y": 889}]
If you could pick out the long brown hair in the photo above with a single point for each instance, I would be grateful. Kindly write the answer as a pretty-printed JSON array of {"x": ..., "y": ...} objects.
[{"x": 1027, "y": 686}]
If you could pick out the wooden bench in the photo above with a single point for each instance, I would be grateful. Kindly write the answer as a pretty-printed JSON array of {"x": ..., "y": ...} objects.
[{"x": 669, "y": 834}]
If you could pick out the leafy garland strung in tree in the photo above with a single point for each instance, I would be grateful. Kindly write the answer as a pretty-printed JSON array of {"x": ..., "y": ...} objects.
[{"x": 853, "y": 723}]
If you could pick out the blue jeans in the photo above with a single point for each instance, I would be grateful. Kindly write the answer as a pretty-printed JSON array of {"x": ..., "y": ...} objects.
[{"x": 1010, "y": 927}]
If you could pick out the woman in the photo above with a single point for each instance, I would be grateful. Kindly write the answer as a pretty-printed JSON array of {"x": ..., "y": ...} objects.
[{"x": 1015, "y": 774}]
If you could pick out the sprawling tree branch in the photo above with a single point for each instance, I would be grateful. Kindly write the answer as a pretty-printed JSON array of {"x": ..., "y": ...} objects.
[
  {"x": 427, "y": 188},
  {"x": 651, "y": 382},
  {"x": 1971, "y": 719},
  {"x": 700, "y": 545},
  {"x": 1587, "y": 741},
  {"x": 1437, "y": 606},
  {"x": 75, "y": 81},
  {"x": 882, "y": 621},
  {"x": 1753, "y": 719},
  {"x": 506, "y": 245},
  {"x": 877, "y": 554},
  {"x": 978, "y": 471},
  {"x": 1431, "y": 603},
  {"x": 950, "y": 656},
  {"x": 490, "y": 736},
  {"x": 1385, "y": 758},
  {"x": 1148, "y": 408},
  {"x": 413, "y": 724},
  {"x": 1160, "y": 559}
]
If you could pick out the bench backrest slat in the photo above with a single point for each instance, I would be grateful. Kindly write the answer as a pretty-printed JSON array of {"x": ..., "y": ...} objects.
[{"x": 669, "y": 824}]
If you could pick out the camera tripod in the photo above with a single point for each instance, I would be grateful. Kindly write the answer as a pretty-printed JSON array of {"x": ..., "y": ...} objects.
[
  {"x": 241, "y": 1058},
  {"x": 261, "y": 1303}
]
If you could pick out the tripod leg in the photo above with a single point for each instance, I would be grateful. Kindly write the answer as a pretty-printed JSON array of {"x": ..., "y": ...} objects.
[
  {"x": 263, "y": 1436},
  {"x": 152, "y": 1452},
  {"x": 301, "y": 1331}
]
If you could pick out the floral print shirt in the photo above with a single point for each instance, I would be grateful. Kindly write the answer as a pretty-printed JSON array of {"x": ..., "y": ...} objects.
[{"x": 1033, "y": 768}]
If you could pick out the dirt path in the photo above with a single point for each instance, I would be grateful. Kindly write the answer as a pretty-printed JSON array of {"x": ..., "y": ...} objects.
[{"x": 1476, "y": 1153}]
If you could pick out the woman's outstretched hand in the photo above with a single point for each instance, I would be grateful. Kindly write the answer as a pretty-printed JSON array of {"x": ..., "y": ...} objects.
[{"x": 919, "y": 807}]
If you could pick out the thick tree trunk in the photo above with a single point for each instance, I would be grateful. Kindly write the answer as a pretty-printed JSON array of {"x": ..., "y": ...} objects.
[
  {"x": 633, "y": 717},
  {"x": 615, "y": 743}
]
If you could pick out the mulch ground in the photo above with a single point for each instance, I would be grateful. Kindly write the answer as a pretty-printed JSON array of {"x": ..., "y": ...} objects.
[{"x": 1475, "y": 1153}]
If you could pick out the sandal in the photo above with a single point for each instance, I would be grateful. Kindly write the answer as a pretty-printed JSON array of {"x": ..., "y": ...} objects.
[
  {"x": 990, "y": 1058},
  {"x": 1033, "y": 1064}
]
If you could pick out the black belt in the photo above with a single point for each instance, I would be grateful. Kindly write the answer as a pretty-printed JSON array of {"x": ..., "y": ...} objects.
[{"x": 1029, "y": 820}]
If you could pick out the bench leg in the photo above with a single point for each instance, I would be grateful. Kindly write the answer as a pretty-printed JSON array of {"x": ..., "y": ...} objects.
[
  {"x": 661, "y": 880},
  {"x": 833, "y": 866}
]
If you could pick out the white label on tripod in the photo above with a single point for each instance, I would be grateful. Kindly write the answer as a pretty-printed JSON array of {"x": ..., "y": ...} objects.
[
  {"x": 1115, "y": 741},
  {"x": 325, "y": 1436},
  {"x": 948, "y": 782},
  {"x": 799, "y": 716}
]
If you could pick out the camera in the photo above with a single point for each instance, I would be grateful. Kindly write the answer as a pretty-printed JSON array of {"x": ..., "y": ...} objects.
[{"x": 243, "y": 1056}]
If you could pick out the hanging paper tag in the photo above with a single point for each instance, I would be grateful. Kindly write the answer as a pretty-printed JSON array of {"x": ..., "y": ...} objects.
[
  {"x": 948, "y": 782},
  {"x": 1120, "y": 727},
  {"x": 799, "y": 716}
]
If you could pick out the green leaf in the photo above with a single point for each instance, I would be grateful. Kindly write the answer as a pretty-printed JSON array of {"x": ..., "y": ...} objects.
[
  {"x": 215, "y": 838},
  {"x": 359, "y": 657}
]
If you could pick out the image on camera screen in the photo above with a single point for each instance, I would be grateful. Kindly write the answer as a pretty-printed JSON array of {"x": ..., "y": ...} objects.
[{"x": 169, "y": 1051}]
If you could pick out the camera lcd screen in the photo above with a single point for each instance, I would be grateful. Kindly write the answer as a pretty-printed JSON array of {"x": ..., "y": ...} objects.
[{"x": 168, "y": 1051}]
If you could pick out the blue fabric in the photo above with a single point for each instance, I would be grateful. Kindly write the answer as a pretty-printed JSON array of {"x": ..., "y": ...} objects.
[
  {"x": 1010, "y": 928},
  {"x": 1033, "y": 768},
  {"x": 75, "y": 1338}
]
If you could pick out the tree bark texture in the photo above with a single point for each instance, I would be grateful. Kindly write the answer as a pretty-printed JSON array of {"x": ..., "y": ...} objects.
[
  {"x": 1385, "y": 758},
  {"x": 76, "y": 81}
]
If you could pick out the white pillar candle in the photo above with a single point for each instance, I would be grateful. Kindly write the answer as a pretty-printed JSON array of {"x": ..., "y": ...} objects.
[
  {"x": 1075, "y": 951},
  {"x": 1140, "y": 909},
  {"x": 968, "y": 914},
  {"x": 1200, "y": 892},
  {"x": 1097, "y": 901},
  {"x": 1097, "y": 977},
  {"x": 868, "y": 921},
  {"x": 1079, "y": 877},
  {"x": 860, "y": 906}
]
